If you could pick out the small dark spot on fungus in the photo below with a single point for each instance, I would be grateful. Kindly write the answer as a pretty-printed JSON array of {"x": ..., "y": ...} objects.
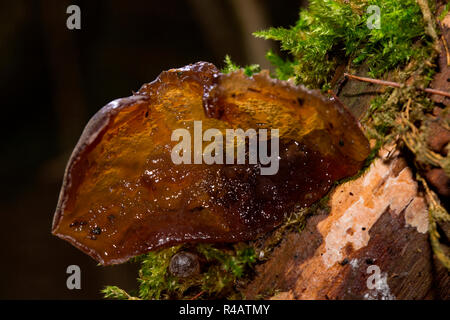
[
  {"x": 97, "y": 231},
  {"x": 197, "y": 209},
  {"x": 369, "y": 261},
  {"x": 184, "y": 265},
  {"x": 74, "y": 224},
  {"x": 341, "y": 142},
  {"x": 300, "y": 101},
  {"x": 351, "y": 193},
  {"x": 363, "y": 228},
  {"x": 77, "y": 225}
]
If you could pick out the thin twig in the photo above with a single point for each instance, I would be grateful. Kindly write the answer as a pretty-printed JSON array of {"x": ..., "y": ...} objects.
[
  {"x": 395, "y": 84},
  {"x": 198, "y": 295},
  {"x": 446, "y": 50}
]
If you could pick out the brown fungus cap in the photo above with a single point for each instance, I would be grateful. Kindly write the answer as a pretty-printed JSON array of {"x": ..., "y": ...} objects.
[{"x": 123, "y": 196}]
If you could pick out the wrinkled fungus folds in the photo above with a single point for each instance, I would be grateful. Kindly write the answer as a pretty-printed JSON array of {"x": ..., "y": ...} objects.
[{"x": 122, "y": 194}]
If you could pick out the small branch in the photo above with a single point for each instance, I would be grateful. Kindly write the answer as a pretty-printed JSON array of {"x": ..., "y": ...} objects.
[
  {"x": 395, "y": 84},
  {"x": 198, "y": 295},
  {"x": 375, "y": 81}
]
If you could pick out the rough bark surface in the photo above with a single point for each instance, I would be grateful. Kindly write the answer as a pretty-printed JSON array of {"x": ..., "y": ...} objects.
[{"x": 377, "y": 222}]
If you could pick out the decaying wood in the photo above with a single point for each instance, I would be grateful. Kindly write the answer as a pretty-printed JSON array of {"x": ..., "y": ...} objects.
[
  {"x": 379, "y": 219},
  {"x": 396, "y": 85},
  {"x": 441, "y": 78}
]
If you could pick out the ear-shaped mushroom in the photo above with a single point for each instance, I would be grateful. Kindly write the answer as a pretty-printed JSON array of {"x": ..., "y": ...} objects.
[{"x": 123, "y": 195}]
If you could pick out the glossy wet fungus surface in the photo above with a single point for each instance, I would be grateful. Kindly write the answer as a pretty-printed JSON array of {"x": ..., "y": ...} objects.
[{"x": 123, "y": 195}]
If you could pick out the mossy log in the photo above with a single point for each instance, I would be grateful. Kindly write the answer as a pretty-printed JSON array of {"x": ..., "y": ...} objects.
[{"x": 377, "y": 228}]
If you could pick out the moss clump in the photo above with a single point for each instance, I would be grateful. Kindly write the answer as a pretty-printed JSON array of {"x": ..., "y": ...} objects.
[
  {"x": 445, "y": 11},
  {"x": 222, "y": 270},
  {"x": 114, "y": 292},
  {"x": 331, "y": 32}
]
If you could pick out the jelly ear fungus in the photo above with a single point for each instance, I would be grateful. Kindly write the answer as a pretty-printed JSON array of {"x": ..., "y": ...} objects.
[{"x": 123, "y": 196}]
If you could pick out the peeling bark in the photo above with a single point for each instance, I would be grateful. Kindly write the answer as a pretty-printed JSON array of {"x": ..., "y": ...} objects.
[{"x": 377, "y": 222}]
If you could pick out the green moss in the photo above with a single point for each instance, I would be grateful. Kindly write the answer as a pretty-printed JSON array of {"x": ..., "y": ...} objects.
[
  {"x": 154, "y": 280},
  {"x": 284, "y": 69},
  {"x": 329, "y": 33},
  {"x": 230, "y": 66},
  {"x": 114, "y": 292},
  {"x": 445, "y": 11},
  {"x": 222, "y": 268},
  {"x": 382, "y": 120}
]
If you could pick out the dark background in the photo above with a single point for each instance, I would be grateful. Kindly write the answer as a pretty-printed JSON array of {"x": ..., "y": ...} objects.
[{"x": 53, "y": 80}]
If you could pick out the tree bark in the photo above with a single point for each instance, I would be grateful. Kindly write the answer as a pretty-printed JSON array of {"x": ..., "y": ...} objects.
[
  {"x": 372, "y": 245},
  {"x": 374, "y": 242}
]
